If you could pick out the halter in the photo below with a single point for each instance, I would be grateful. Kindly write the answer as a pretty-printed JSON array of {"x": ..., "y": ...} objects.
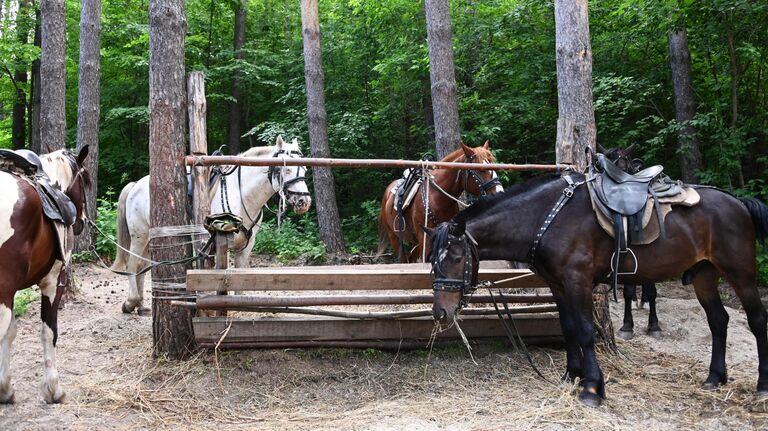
[
  {"x": 282, "y": 184},
  {"x": 467, "y": 284}
]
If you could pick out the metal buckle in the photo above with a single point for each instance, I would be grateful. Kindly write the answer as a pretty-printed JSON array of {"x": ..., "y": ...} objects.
[{"x": 568, "y": 191}]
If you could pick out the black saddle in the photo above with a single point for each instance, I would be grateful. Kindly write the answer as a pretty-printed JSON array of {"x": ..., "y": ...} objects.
[
  {"x": 56, "y": 204},
  {"x": 624, "y": 193}
]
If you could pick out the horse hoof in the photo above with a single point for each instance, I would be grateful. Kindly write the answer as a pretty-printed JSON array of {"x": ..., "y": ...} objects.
[
  {"x": 710, "y": 386},
  {"x": 589, "y": 399},
  {"x": 655, "y": 334},
  {"x": 60, "y": 399},
  {"x": 144, "y": 311},
  {"x": 8, "y": 399},
  {"x": 626, "y": 335},
  {"x": 127, "y": 309},
  {"x": 761, "y": 395}
]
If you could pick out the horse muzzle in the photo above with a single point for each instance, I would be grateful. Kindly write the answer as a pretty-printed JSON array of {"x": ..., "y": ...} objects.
[
  {"x": 446, "y": 306},
  {"x": 302, "y": 204}
]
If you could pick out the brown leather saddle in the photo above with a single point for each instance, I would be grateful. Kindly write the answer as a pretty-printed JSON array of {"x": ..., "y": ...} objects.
[{"x": 57, "y": 206}]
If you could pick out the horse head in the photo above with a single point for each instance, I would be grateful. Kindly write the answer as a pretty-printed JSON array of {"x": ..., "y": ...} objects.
[
  {"x": 290, "y": 180},
  {"x": 68, "y": 171},
  {"x": 455, "y": 261},
  {"x": 479, "y": 182},
  {"x": 622, "y": 157}
]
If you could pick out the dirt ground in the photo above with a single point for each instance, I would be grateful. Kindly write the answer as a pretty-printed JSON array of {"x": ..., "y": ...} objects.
[{"x": 112, "y": 382}]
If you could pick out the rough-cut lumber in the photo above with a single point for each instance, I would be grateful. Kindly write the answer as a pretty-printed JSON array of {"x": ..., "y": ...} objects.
[
  {"x": 251, "y": 332},
  {"x": 338, "y": 278},
  {"x": 243, "y": 302}
]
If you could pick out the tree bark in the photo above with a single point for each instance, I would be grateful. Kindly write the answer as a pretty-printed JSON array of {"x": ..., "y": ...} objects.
[
  {"x": 34, "y": 107},
  {"x": 236, "y": 107},
  {"x": 445, "y": 105},
  {"x": 576, "y": 129},
  {"x": 53, "y": 75},
  {"x": 88, "y": 105},
  {"x": 172, "y": 333},
  {"x": 685, "y": 106},
  {"x": 324, "y": 188},
  {"x": 19, "y": 121}
]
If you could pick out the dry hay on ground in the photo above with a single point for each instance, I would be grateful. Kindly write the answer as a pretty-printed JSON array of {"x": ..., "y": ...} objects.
[{"x": 107, "y": 369}]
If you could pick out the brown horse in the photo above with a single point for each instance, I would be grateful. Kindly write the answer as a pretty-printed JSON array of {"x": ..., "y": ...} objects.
[
  {"x": 446, "y": 185},
  {"x": 712, "y": 239},
  {"x": 31, "y": 254}
]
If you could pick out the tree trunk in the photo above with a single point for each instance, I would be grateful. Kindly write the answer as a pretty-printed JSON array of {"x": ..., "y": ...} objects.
[
  {"x": 19, "y": 121},
  {"x": 576, "y": 128},
  {"x": 172, "y": 333},
  {"x": 734, "y": 63},
  {"x": 445, "y": 106},
  {"x": 685, "y": 107},
  {"x": 34, "y": 107},
  {"x": 325, "y": 190},
  {"x": 53, "y": 75},
  {"x": 236, "y": 107},
  {"x": 88, "y": 105}
]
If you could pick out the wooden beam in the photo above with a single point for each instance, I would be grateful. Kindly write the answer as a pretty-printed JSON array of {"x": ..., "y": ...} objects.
[
  {"x": 339, "y": 278},
  {"x": 209, "y": 330},
  {"x": 246, "y": 302},
  {"x": 362, "y": 163}
]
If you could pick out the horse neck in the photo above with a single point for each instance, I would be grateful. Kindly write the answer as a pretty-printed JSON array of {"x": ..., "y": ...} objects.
[
  {"x": 449, "y": 180},
  {"x": 506, "y": 232},
  {"x": 246, "y": 192}
]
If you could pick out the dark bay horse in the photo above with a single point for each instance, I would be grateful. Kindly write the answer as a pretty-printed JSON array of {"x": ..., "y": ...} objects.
[
  {"x": 715, "y": 238},
  {"x": 31, "y": 254},
  {"x": 440, "y": 204}
]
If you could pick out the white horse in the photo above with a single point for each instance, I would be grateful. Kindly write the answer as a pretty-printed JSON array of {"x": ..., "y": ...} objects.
[{"x": 246, "y": 190}]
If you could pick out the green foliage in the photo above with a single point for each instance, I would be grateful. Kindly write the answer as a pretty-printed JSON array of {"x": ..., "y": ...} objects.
[
  {"x": 361, "y": 230},
  {"x": 22, "y": 300},
  {"x": 292, "y": 240},
  {"x": 106, "y": 220},
  {"x": 762, "y": 266}
]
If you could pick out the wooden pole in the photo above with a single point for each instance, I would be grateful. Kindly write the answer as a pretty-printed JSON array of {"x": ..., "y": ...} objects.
[
  {"x": 363, "y": 163},
  {"x": 198, "y": 145}
]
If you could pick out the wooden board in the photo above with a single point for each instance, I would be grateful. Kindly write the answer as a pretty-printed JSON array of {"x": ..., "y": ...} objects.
[
  {"x": 251, "y": 332},
  {"x": 360, "y": 277}
]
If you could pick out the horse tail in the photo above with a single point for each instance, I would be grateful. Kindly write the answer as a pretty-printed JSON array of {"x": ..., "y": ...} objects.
[
  {"x": 383, "y": 239},
  {"x": 123, "y": 235},
  {"x": 759, "y": 213}
]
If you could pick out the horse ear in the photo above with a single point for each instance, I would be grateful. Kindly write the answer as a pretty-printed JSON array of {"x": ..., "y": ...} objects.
[
  {"x": 601, "y": 149},
  {"x": 429, "y": 231},
  {"x": 487, "y": 145},
  {"x": 467, "y": 151},
  {"x": 295, "y": 142},
  {"x": 280, "y": 141},
  {"x": 82, "y": 155},
  {"x": 456, "y": 229},
  {"x": 629, "y": 149}
]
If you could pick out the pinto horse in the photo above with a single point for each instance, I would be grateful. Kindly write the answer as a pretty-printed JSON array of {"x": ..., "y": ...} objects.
[
  {"x": 445, "y": 187},
  {"x": 712, "y": 239},
  {"x": 241, "y": 190},
  {"x": 31, "y": 254}
]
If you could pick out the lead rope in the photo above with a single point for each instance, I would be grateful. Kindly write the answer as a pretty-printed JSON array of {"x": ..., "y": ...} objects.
[{"x": 426, "y": 178}]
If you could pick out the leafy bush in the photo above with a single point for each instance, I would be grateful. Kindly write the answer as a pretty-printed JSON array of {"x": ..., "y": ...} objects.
[
  {"x": 293, "y": 239},
  {"x": 106, "y": 220},
  {"x": 762, "y": 266},
  {"x": 361, "y": 230},
  {"x": 22, "y": 300}
]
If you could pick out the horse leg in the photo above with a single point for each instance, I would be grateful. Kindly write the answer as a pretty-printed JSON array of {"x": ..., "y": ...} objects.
[
  {"x": 649, "y": 292},
  {"x": 705, "y": 284},
  {"x": 579, "y": 297},
  {"x": 7, "y": 334},
  {"x": 574, "y": 357},
  {"x": 745, "y": 285},
  {"x": 139, "y": 246},
  {"x": 51, "y": 291},
  {"x": 626, "y": 332}
]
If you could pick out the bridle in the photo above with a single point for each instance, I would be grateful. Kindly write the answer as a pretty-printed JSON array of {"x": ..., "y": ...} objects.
[
  {"x": 467, "y": 285},
  {"x": 482, "y": 185},
  {"x": 282, "y": 183}
]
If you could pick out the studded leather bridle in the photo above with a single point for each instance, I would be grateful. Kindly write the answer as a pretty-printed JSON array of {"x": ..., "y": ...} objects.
[{"x": 468, "y": 283}]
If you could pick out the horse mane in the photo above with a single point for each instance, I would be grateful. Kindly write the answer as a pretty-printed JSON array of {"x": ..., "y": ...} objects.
[
  {"x": 258, "y": 151},
  {"x": 486, "y": 203},
  {"x": 459, "y": 154}
]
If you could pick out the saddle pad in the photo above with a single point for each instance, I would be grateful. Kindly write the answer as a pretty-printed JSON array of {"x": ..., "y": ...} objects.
[
  {"x": 408, "y": 195},
  {"x": 66, "y": 239},
  {"x": 689, "y": 197}
]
